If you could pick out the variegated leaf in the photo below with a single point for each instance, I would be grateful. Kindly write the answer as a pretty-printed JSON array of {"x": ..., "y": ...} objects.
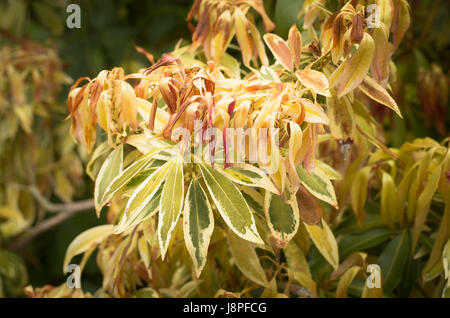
[
  {"x": 282, "y": 217},
  {"x": 198, "y": 225},
  {"x": 325, "y": 242},
  {"x": 231, "y": 204},
  {"x": 318, "y": 184},
  {"x": 246, "y": 174},
  {"x": 126, "y": 175},
  {"x": 111, "y": 167},
  {"x": 171, "y": 204}
]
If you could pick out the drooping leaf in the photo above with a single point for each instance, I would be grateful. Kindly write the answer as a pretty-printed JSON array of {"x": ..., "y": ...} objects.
[
  {"x": 341, "y": 119},
  {"x": 126, "y": 175},
  {"x": 424, "y": 201},
  {"x": 358, "y": 194},
  {"x": 346, "y": 280},
  {"x": 171, "y": 204},
  {"x": 242, "y": 35},
  {"x": 379, "y": 94},
  {"x": 298, "y": 264},
  {"x": 353, "y": 71},
  {"x": 247, "y": 260},
  {"x": 130, "y": 220},
  {"x": 198, "y": 225},
  {"x": 393, "y": 260},
  {"x": 388, "y": 199},
  {"x": 309, "y": 208},
  {"x": 295, "y": 44},
  {"x": 85, "y": 241},
  {"x": 111, "y": 167},
  {"x": 314, "y": 80}
]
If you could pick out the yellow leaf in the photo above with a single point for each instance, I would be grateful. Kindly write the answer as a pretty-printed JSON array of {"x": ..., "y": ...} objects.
[
  {"x": 356, "y": 67},
  {"x": 86, "y": 240},
  {"x": 325, "y": 242},
  {"x": 247, "y": 260},
  {"x": 346, "y": 280}
]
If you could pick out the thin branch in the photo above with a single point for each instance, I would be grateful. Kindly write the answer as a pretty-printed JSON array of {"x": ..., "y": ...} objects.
[
  {"x": 43, "y": 201},
  {"x": 295, "y": 289},
  {"x": 69, "y": 210}
]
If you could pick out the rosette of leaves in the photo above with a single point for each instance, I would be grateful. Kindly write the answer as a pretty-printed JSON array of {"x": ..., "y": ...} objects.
[{"x": 142, "y": 169}]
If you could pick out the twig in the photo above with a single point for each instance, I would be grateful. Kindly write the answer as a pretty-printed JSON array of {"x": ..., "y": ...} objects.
[
  {"x": 296, "y": 290},
  {"x": 43, "y": 201},
  {"x": 68, "y": 211}
]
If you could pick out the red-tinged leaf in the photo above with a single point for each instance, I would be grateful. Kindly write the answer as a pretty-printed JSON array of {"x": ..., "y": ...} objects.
[
  {"x": 317, "y": 81},
  {"x": 357, "y": 32},
  {"x": 376, "y": 92},
  {"x": 295, "y": 44},
  {"x": 280, "y": 50}
]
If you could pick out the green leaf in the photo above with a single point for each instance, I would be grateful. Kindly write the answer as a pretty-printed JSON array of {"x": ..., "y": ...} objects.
[
  {"x": 13, "y": 273},
  {"x": 318, "y": 184},
  {"x": 171, "y": 204},
  {"x": 282, "y": 217},
  {"x": 389, "y": 199},
  {"x": 198, "y": 225},
  {"x": 48, "y": 17},
  {"x": 286, "y": 14},
  {"x": 111, "y": 167},
  {"x": 345, "y": 281},
  {"x": 360, "y": 242},
  {"x": 247, "y": 260},
  {"x": 393, "y": 260},
  {"x": 231, "y": 204},
  {"x": 424, "y": 201},
  {"x": 231, "y": 64}
]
